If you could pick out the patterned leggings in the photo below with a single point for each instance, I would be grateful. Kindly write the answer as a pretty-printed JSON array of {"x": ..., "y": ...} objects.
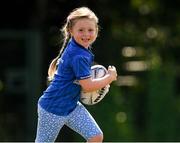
[{"x": 79, "y": 120}]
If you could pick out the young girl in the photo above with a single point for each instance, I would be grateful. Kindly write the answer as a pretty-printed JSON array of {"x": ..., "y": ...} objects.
[{"x": 59, "y": 105}]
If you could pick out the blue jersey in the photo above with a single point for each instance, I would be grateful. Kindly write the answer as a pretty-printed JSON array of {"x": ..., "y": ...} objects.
[{"x": 62, "y": 95}]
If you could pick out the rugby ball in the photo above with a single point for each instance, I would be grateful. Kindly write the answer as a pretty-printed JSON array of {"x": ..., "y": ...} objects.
[{"x": 91, "y": 98}]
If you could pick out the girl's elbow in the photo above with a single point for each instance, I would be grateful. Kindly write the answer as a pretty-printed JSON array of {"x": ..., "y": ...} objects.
[{"x": 86, "y": 85}]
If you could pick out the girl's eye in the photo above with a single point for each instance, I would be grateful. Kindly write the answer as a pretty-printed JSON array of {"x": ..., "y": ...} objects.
[
  {"x": 91, "y": 30},
  {"x": 80, "y": 30}
]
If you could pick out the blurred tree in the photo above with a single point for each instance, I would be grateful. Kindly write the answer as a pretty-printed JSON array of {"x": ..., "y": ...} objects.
[
  {"x": 139, "y": 37},
  {"x": 161, "y": 113}
]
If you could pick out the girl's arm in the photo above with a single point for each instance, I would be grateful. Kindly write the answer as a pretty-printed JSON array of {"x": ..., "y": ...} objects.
[{"x": 90, "y": 84}]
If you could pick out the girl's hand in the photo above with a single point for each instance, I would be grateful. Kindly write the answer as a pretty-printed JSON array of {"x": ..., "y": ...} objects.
[{"x": 112, "y": 72}]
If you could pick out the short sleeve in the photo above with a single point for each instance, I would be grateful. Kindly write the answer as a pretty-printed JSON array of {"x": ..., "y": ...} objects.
[{"x": 81, "y": 67}]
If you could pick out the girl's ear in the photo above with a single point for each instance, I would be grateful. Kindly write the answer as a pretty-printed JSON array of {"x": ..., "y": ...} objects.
[{"x": 70, "y": 31}]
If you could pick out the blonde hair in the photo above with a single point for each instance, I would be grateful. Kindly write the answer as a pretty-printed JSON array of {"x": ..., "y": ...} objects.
[{"x": 78, "y": 13}]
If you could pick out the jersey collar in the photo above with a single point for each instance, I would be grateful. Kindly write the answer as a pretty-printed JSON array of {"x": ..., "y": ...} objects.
[{"x": 72, "y": 40}]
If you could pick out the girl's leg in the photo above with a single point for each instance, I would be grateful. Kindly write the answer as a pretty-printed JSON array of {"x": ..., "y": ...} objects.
[
  {"x": 48, "y": 126},
  {"x": 81, "y": 121},
  {"x": 96, "y": 139}
]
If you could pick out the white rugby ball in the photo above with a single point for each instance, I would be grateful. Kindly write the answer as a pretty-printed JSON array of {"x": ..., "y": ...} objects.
[{"x": 91, "y": 98}]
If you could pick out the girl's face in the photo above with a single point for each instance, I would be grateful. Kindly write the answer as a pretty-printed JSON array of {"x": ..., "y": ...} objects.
[{"x": 84, "y": 31}]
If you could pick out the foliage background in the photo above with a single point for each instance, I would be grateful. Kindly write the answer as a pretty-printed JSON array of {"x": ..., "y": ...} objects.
[{"x": 139, "y": 37}]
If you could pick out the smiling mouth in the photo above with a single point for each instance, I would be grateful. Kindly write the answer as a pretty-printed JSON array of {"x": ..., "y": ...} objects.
[{"x": 85, "y": 40}]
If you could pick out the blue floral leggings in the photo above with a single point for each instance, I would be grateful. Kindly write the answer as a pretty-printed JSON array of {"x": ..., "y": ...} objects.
[{"x": 79, "y": 120}]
